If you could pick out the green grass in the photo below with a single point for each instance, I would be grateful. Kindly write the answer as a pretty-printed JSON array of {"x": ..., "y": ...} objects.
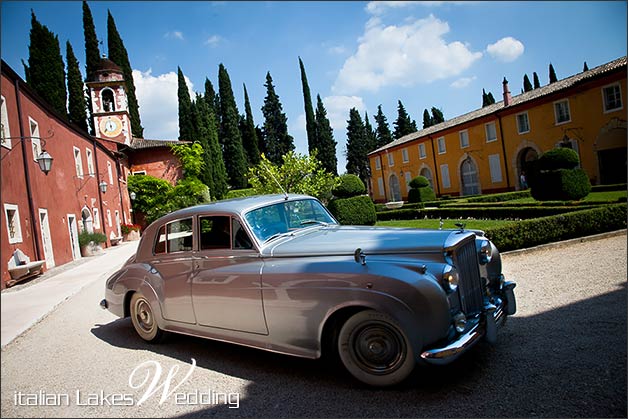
[
  {"x": 610, "y": 196},
  {"x": 447, "y": 224}
]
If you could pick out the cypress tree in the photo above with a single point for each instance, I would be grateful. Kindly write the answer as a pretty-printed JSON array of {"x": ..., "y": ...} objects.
[
  {"x": 535, "y": 77},
  {"x": 585, "y": 67},
  {"x": 382, "y": 131},
  {"x": 233, "y": 152},
  {"x": 527, "y": 86},
  {"x": 261, "y": 143},
  {"x": 92, "y": 53},
  {"x": 371, "y": 135},
  {"x": 552, "y": 74},
  {"x": 214, "y": 173},
  {"x": 427, "y": 119},
  {"x": 77, "y": 107},
  {"x": 276, "y": 138},
  {"x": 325, "y": 136},
  {"x": 310, "y": 124},
  {"x": 490, "y": 98},
  {"x": 186, "y": 114},
  {"x": 119, "y": 55},
  {"x": 357, "y": 161},
  {"x": 46, "y": 72},
  {"x": 437, "y": 116},
  {"x": 403, "y": 125},
  {"x": 212, "y": 99},
  {"x": 249, "y": 136}
]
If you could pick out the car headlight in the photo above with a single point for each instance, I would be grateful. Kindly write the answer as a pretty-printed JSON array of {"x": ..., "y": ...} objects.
[
  {"x": 450, "y": 278},
  {"x": 486, "y": 252}
]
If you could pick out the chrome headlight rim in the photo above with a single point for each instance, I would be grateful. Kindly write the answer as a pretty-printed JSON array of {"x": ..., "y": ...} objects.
[
  {"x": 486, "y": 252},
  {"x": 450, "y": 278}
]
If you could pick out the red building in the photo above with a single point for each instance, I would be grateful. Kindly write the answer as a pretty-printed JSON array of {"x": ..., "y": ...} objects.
[{"x": 86, "y": 188}]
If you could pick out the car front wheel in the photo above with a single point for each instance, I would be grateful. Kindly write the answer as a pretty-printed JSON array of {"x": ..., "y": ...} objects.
[
  {"x": 143, "y": 319},
  {"x": 374, "y": 349}
]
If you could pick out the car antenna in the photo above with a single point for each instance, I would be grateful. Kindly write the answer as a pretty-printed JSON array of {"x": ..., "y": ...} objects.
[{"x": 285, "y": 194}]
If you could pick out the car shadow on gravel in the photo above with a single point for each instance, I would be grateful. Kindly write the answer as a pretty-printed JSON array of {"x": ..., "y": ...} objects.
[{"x": 565, "y": 362}]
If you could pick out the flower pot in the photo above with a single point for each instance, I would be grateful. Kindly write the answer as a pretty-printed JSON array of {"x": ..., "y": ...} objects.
[
  {"x": 91, "y": 249},
  {"x": 131, "y": 236}
]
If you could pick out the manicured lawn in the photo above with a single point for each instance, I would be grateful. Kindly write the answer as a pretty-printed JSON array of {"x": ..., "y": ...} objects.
[
  {"x": 610, "y": 196},
  {"x": 447, "y": 224}
]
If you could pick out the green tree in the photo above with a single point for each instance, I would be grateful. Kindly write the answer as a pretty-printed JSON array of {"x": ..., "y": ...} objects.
[
  {"x": 92, "y": 53},
  {"x": 552, "y": 74},
  {"x": 357, "y": 160},
  {"x": 403, "y": 125},
  {"x": 427, "y": 119},
  {"x": 585, "y": 67},
  {"x": 118, "y": 54},
  {"x": 490, "y": 98},
  {"x": 77, "y": 106},
  {"x": 233, "y": 151},
  {"x": 527, "y": 86},
  {"x": 276, "y": 138},
  {"x": 46, "y": 72},
  {"x": 326, "y": 148},
  {"x": 371, "y": 135},
  {"x": 382, "y": 131},
  {"x": 249, "y": 136},
  {"x": 212, "y": 99},
  {"x": 537, "y": 83},
  {"x": 191, "y": 158},
  {"x": 313, "y": 142},
  {"x": 186, "y": 115},
  {"x": 437, "y": 116},
  {"x": 214, "y": 174},
  {"x": 297, "y": 173}
]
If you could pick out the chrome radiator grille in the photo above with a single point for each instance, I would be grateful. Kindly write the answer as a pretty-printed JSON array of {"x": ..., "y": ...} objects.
[{"x": 470, "y": 285}]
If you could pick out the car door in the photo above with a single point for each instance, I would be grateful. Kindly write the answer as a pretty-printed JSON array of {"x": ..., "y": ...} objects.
[
  {"x": 226, "y": 289},
  {"x": 174, "y": 260}
]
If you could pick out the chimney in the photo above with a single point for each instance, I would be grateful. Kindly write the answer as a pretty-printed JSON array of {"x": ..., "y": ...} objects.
[{"x": 506, "y": 92}]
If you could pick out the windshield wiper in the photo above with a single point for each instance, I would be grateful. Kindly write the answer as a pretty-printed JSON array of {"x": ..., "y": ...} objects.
[
  {"x": 274, "y": 236},
  {"x": 306, "y": 222}
]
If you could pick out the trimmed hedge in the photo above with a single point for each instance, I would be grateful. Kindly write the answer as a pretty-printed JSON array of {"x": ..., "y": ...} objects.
[
  {"x": 357, "y": 210},
  {"x": 422, "y": 194},
  {"x": 419, "y": 182},
  {"x": 561, "y": 185},
  {"x": 350, "y": 185},
  {"x": 558, "y": 158},
  {"x": 609, "y": 188},
  {"x": 499, "y": 197},
  {"x": 538, "y": 231},
  {"x": 506, "y": 213}
]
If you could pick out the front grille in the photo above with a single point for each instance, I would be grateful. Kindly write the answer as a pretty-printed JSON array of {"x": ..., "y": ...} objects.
[{"x": 470, "y": 284}]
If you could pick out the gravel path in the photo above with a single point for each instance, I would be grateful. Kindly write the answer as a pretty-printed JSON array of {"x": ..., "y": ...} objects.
[{"x": 562, "y": 355}]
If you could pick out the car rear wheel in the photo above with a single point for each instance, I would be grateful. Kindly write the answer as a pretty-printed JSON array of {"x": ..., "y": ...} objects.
[
  {"x": 374, "y": 349},
  {"x": 143, "y": 319}
]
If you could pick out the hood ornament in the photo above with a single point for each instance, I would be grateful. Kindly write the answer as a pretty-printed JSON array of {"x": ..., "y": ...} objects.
[{"x": 461, "y": 226}]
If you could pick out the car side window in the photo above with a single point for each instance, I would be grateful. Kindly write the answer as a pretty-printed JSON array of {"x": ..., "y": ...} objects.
[
  {"x": 215, "y": 232},
  {"x": 179, "y": 236},
  {"x": 160, "y": 245},
  {"x": 241, "y": 239}
]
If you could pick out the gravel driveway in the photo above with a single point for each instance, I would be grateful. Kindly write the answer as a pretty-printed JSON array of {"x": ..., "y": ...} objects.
[{"x": 562, "y": 355}]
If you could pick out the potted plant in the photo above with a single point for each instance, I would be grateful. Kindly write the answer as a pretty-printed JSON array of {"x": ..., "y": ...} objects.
[
  {"x": 130, "y": 232},
  {"x": 90, "y": 243}
]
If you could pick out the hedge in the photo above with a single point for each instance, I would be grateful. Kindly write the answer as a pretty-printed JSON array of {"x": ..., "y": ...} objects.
[
  {"x": 609, "y": 188},
  {"x": 357, "y": 210},
  {"x": 422, "y": 194},
  {"x": 538, "y": 231},
  {"x": 561, "y": 185},
  {"x": 499, "y": 197},
  {"x": 475, "y": 213}
]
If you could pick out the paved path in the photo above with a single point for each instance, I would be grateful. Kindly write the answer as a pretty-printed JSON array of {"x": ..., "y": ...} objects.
[{"x": 20, "y": 309}]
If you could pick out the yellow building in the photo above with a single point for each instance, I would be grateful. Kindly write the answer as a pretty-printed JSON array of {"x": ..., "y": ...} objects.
[{"x": 486, "y": 151}]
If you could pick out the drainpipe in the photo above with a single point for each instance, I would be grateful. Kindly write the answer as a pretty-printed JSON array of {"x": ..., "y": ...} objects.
[
  {"x": 501, "y": 134},
  {"x": 120, "y": 190},
  {"x": 435, "y": 166},
  {"x": 29, "y": 192},
  {"x": 381, "y": 169},
  {"x": 102, "y": 211}
]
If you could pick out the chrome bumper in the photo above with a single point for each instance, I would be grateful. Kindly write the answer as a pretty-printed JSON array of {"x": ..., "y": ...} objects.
[{"x": 486, "y": 326}]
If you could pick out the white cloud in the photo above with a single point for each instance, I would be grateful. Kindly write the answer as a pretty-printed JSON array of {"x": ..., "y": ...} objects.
[
  {"x": 214, "y": 40},
  {"x": 338, "y": 107},
  {"x": 174, "y": 35},
  {"x": 403, "y": 55},
  {"x": 462, "y": 82},
  {"x": 337, "y": 50},
  {"x": 506, "y": 49},
  {"x": 159, "y": 104}
]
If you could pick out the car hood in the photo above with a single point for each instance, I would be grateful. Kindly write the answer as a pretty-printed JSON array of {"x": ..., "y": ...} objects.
[{"x": 344, "y": 240}]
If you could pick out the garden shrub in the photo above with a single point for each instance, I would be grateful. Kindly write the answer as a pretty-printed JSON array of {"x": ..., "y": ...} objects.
[
  {"x": 420, "y": 190},
  {"x": 497, "y": 213},
  {"x": 357, "y": 210},
  {"x": 561, "y": 184},
  {"x": 350, "y": 185},
  {"x": 558, "y": 158},
  {"x": 419, "y": 182},
  {"x": 609, "y": 188}
]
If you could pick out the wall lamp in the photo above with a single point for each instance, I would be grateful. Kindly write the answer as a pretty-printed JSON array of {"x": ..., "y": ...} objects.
[
  {"x": 44, "y": 159},
  {"x": 102, "y": 186}
]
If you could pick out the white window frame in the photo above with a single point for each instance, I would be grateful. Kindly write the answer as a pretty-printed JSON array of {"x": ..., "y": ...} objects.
[
  {"x": 391, "y": 159},
  {"x": 96, "y": 217},
  {"x": 556, "y": 114},
  {"x": 109, "y": 218},
  {"x": 378, "y": 163},
  {"x": 422, "y": 151},
  {"x": 486, "y": 131},
  {"x": 495, "y": 166},
  {"x": 462, "y": 135},
  {"x": 604, "y": 103},
  {"x": 441, "y": 141},
  {"x": 33, "y": 126},
  {"x": 527, "y": 118},
  {"x": 17, "y": 230},
  {"x": 5, "y": 133},
  {"x": 444, "y": 175},
  {"x": 110, "y": 173},
  {"x": 139, "y": 172},
  {"x": 78, "y": 161},
  {"x": 404, "y": 155},
  {"x": 90, "y": 162},
  {"x": 380, "y": 186}
]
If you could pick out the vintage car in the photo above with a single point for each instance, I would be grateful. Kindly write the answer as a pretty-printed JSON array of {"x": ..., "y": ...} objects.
[{"x": 279, "y": 273}]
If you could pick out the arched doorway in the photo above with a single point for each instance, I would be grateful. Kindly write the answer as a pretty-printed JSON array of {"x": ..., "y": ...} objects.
[
  {"x": 525, "y": 160},
  {"x": 395, "y": 190},
  {"x": 87, "y": 220},
  {"x": 611, "y": 152},
  {"x": 470, "y": 179},
  {"x": 427, "y": 173}
]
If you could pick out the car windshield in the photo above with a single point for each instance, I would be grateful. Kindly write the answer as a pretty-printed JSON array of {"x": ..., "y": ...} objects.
[{"x": 274, "y": 220}]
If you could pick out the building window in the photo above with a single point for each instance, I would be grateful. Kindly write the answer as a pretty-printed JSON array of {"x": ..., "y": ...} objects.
[
  {"x": 14, "y": 228},
  {"x": 108, "y": 104},
  {"x": 90, "y": 162},
  {"x": 422, "y": 153},
  {"x": 139, "y": 173},
  {"x": 378, "y": 163},
  {"x": 561, "y": 111},
  {"x": 96, "y": 217},
  {"x": 464, "y": 139},
  {"x": 380, "y": 186},
  {"x": 391, "y": 159},
  {"x": 5, "y": 132},
  {"x": 523, "y": 124},
  {"x": 491, "y": 132},
  {"x": 35, "y": 141},
  {"x": 404, "y": 155},
  {"x": 442, "y": 149},
  {"x": 109, "y": 218},
  {"x": 78, "y": 162},
  {"x": 496, "y": 168},
  {"x": 612, "y": 98},
  {"x": 444, "y": 174},
  {"x": 408, "y": 176},
  {"x": 110, "y": 172}
]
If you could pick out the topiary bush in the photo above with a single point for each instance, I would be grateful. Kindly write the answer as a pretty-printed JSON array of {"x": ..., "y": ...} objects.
[
  {"x": 419, "y": 182},
  {"x": 350, "y": 185},
  {"x": 356, "y": 210},
  {"x": 420, "y": 190},
  {"x": 556, "y": 178},
  {"x": 559, "y": 158}
]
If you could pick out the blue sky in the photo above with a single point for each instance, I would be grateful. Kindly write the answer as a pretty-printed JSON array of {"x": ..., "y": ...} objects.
[{"x": 356, "y": 54}]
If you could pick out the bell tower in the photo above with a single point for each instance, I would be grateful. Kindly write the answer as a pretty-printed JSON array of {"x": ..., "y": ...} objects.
[{"x": 110, "y": 109}]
